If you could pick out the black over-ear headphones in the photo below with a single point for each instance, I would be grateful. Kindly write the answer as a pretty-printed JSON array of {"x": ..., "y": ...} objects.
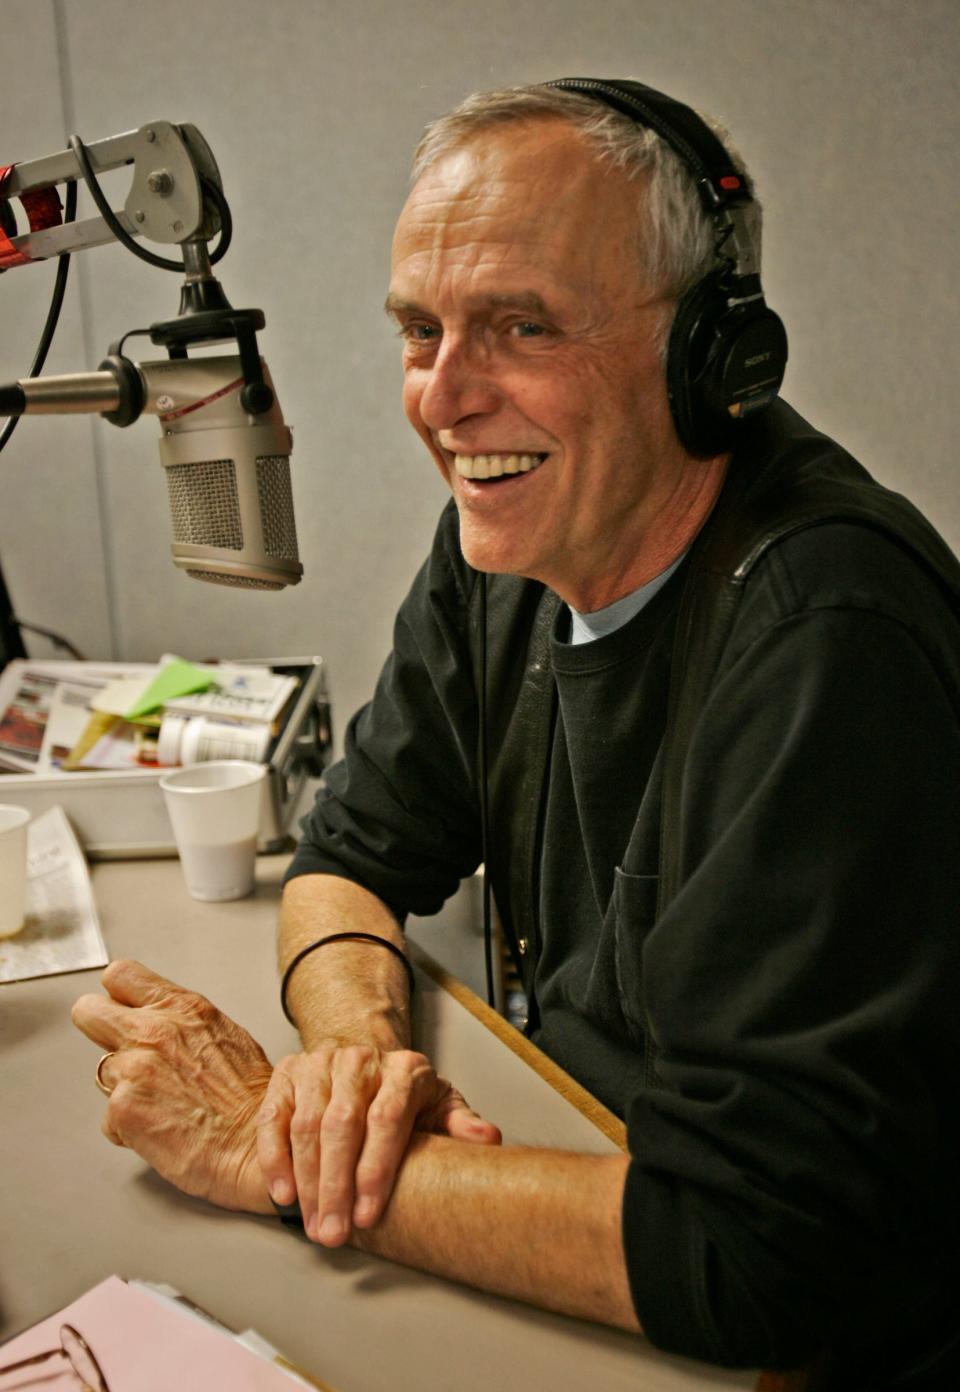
[{"x": 727, "y": 350}]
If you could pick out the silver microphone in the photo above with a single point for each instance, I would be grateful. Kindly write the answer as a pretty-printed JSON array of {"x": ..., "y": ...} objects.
[
  {"x": 228, "y": 474},
  {"x": 227, "y": 470}
]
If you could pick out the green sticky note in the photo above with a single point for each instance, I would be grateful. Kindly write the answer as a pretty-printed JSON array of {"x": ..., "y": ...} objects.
[{"x": 176, "y": 678}]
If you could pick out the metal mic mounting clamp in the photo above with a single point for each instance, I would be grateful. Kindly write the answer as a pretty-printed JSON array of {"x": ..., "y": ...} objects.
[{"x": 213, "y": 326}]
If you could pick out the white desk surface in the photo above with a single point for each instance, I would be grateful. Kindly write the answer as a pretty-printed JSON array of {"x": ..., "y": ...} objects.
[{"x": 74, "y": 1209}]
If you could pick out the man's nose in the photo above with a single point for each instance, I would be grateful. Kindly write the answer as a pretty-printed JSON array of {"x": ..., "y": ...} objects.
[{"x": 459, "y": 383}]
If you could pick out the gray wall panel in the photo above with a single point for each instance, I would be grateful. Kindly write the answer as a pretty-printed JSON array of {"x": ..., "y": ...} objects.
[
  {"x": 847, "y": 113},
  {"x": 51, "y": 544}
]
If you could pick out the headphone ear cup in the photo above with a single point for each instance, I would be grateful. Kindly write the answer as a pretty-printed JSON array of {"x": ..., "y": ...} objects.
[
  {"x": 693, "y": 339},
  {"x": 722, "y": 364}
]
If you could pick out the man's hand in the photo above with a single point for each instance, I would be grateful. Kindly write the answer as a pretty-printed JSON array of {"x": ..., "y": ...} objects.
[
  {"x": 186, "y": 1084},
  {"x": 335, "y": 1124}
]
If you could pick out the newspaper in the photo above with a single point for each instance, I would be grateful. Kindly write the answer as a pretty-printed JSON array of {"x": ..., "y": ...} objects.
[
  {"x": 62, "y": 716},
  {"x": 42, "y": 722},
  {"x": 62, "y": 930},
  {"x": 45, "y": 707},
  {"x": 239, "y": 693}
]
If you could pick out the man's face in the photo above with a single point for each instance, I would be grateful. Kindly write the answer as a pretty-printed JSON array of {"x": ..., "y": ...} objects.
[{"x": 531, "y": 364}]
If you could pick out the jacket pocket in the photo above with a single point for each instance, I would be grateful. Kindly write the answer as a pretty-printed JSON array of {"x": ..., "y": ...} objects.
[{"x": 635, "y": 907}]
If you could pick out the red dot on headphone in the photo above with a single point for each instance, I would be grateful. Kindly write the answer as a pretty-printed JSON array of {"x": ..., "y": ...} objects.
[{"x": 730, "y": 181}]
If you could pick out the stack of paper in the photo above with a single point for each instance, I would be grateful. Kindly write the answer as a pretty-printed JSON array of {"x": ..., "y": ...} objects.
[
  {"x": 83, "y": 716},
  {"x": 147, "y": 1338}
]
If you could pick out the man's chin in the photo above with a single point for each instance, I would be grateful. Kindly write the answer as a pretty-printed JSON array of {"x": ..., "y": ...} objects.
[{"x": 488, "y": 553}]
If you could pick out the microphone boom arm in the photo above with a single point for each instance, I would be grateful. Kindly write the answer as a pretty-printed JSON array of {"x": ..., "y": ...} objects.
[
  {"x": 165, "y": 202},
  {"x": 224, "y": 445}
]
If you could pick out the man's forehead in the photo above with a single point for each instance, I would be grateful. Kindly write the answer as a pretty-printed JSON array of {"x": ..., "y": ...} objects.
[
  {"x": 509, "y": 149},
  {"x": 512, "y": 200},
  {"x": 513, "y": 174}
]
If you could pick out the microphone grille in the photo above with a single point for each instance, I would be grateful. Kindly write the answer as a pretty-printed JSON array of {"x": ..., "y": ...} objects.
[
  {"x": 204, "y": 504},
  {"x": 276, "y": 507},
  {"x": 209, "y": 510},
  {"x": 238, "y": 582}
]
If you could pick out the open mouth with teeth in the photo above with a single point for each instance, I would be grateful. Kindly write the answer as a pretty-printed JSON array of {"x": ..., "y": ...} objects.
[{"x": 494, "y": 466}]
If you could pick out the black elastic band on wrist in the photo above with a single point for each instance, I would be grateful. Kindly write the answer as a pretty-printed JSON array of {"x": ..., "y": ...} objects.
[
  {"x": 289, "y": 1214},
  {"x": 339, "y": 937}
]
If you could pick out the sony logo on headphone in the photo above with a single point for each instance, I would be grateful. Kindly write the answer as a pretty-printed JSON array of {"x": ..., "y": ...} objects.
[{"x": 757, "y": 358}]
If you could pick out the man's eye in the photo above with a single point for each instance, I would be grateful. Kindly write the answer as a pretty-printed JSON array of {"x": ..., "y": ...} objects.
[
  {"x": 527, "y": 329},
  {"x": 420, "y": 333}
]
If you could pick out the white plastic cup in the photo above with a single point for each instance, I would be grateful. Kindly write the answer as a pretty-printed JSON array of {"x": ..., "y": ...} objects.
[
  {"x": 214, "y": 809},
  {"x": 13, "y": 868}
]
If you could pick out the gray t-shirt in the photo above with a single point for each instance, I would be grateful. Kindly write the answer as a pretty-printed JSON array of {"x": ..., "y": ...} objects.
[{"x": 584, "y": 628}]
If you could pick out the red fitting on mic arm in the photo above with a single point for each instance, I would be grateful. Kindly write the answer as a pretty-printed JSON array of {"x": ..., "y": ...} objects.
[
  {"x": 9, "y": 256},
  {"x": 43, "y": 209}
]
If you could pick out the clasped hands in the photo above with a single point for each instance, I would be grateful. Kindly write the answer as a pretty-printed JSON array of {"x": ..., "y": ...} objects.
[{"x": 194, "y": 1094}]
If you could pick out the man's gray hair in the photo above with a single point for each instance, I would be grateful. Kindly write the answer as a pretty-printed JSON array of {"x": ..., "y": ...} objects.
[{"x": 676, "y": 236}]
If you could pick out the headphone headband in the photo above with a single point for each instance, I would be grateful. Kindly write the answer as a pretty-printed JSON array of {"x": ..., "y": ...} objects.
[{"x": 719, "y": 183}]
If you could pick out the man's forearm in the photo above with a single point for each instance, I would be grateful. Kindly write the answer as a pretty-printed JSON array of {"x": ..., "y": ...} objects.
[
  {"x": 537, "y": 1225},
  {"x": 354, "y": 993}
]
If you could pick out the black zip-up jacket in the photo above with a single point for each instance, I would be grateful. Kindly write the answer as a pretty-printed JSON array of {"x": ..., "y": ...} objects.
[{"x": 795, "y": 1146}]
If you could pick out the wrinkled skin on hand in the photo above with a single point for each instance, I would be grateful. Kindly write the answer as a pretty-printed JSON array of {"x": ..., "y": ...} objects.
[
  {"x": 335, "y": 1125},
  {"x": 187, "y": 1084},
  {"x": 195, "y": 1095}
]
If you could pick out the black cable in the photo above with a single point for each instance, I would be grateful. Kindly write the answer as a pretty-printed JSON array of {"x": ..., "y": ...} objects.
[
  {"x": 484, "y": 809},
  {"x": 57, "y": 639},
  {"x": 116, "y": 349},
  {"x": 226, "y": 218},
  {"x": 36, "y": 367},
  {"x": 121, "y": 233},
  {"x": 107, "y": 213},
  {"x": 53, "y": 313}
]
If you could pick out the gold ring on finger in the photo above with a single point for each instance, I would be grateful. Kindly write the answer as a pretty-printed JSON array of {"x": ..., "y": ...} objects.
[{"x": 99, "y": 1074}]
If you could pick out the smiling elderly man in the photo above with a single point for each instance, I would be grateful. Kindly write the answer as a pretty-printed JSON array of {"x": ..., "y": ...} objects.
[{"x": 732, "y": 884}]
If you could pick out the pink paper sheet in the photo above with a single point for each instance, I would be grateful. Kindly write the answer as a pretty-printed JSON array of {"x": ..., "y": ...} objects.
[{"x": 142, "y": 1345}]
